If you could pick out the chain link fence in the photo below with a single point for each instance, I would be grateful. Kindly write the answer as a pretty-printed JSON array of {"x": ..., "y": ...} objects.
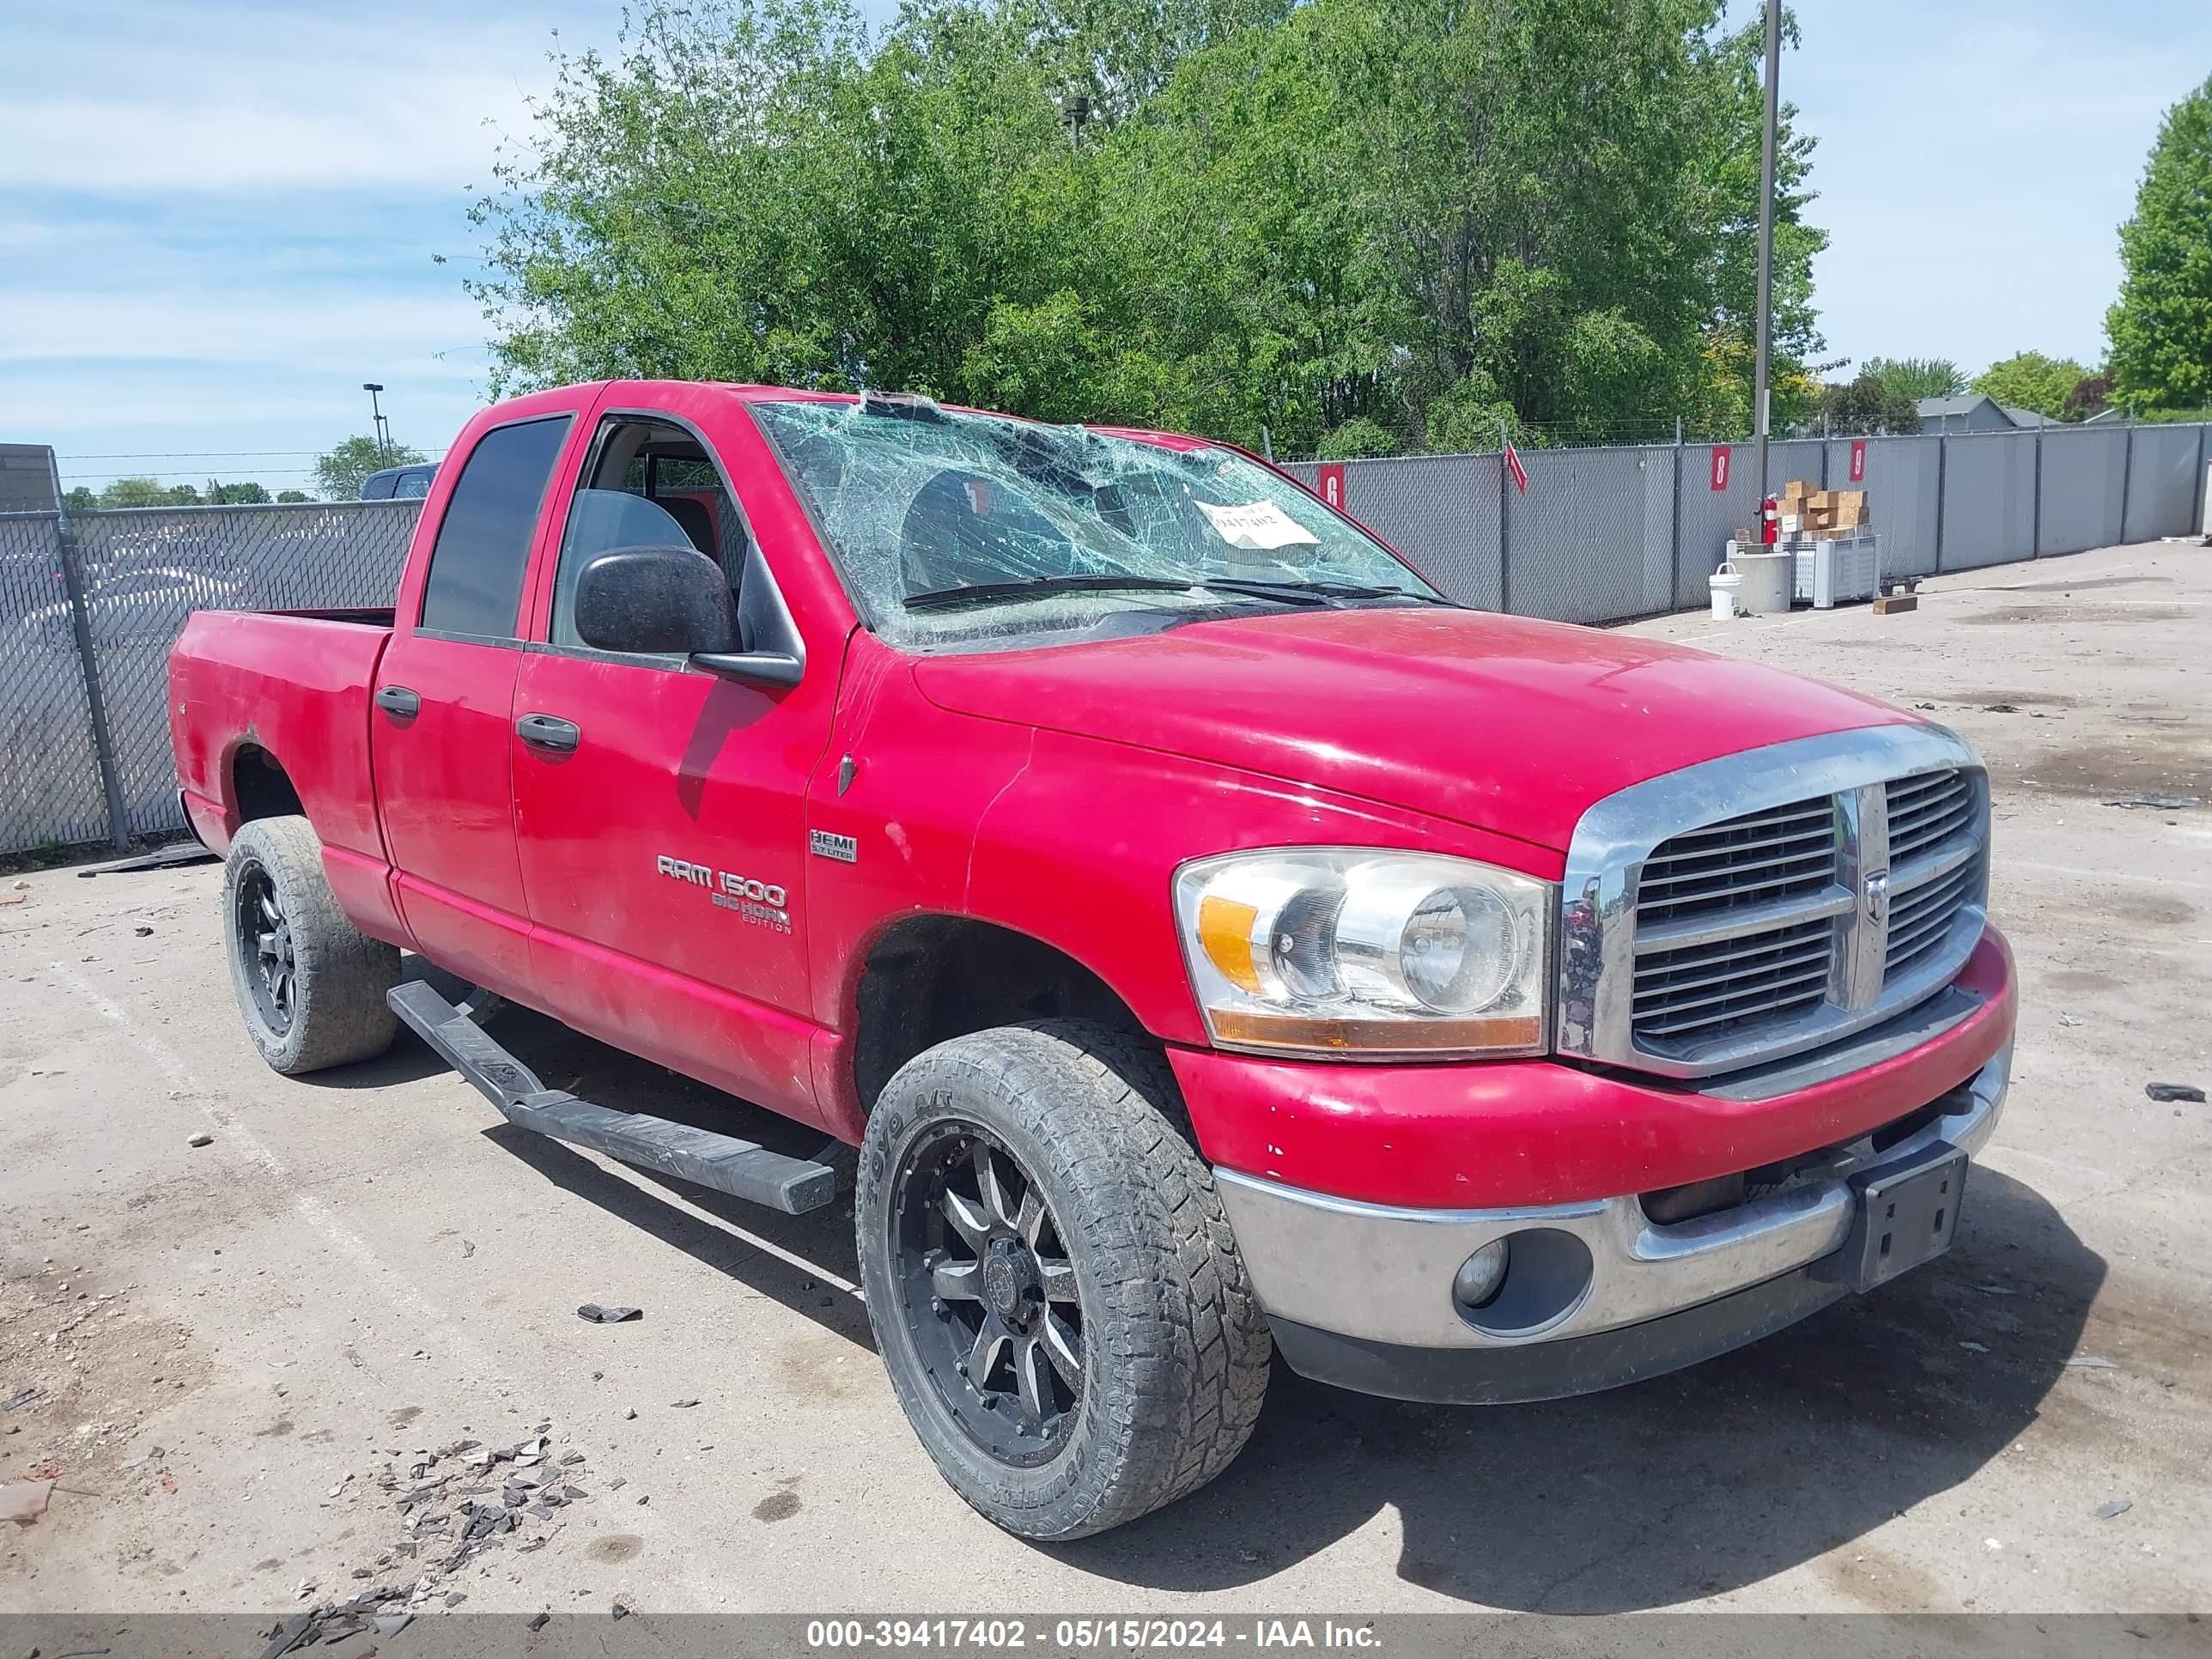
[{"x": 90, "y": 603}]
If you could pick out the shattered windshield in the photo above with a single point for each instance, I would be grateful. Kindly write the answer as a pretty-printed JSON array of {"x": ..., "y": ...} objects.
[{"x": 950, "y": 526}]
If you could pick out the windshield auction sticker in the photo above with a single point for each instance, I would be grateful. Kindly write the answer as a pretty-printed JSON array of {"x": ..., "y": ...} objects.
[{"x": 1259, "y": 526}]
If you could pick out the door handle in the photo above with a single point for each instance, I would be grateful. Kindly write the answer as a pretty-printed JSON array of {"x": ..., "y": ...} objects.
[
  {"x": 549, "y": 731},
  {"x": 398, "y": 702}
]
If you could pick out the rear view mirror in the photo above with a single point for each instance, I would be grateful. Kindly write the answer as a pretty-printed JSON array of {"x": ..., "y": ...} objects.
[{"x": 664, "y": 599}]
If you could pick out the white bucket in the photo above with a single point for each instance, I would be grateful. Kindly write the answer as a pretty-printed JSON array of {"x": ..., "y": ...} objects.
[
  {"x": 1725, "y": 582},
  {"x": 1769, "y": 582}
]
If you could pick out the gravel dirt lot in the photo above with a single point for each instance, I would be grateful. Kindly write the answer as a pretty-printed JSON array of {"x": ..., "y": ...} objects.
[{"x": 236, "y": 1359}]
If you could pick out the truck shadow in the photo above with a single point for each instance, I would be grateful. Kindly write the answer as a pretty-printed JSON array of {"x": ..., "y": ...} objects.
[
  {"x": 1683, "y": 1488},
  {"x": 802, "y": 1262},
  {"x": 821, "y": 1240},
  {"x": 1680, "y": 1488}
]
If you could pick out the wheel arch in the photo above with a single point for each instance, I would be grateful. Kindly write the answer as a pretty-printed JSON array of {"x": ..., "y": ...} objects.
[
  {"x": 927, "y": 977},
  {"x": 259, "y": 784}
]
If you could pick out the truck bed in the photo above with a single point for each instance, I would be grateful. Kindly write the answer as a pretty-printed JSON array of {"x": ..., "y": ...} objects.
[{"x": 294, "y": 683}]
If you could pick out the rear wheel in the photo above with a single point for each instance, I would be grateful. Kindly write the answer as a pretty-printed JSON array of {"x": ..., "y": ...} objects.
[
  {"x": 1055, "y": 1289},
  {"x": 310, "y": 984}
]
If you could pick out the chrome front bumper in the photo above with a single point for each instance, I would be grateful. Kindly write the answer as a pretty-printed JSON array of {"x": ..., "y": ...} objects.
[{"x": 1384, "y": 1275}]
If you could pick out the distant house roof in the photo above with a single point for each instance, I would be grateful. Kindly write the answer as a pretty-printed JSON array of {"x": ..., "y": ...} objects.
[
  {"x": 1934, "y": 409},
  {"x": 1976, "y": 412}
]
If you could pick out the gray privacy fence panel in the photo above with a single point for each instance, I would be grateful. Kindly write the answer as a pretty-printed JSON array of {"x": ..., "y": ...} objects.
[
  {"x": 142, "y": 573},
  {"x": 147, "y": 571},
  {"x": 1440, "y": 511},
  {"x": 49, "y": 788},
  {"x": 1594, "y": 545},
  {"x": 2164, "y": 481},
  {"x": 1709, "y": 516},
  {"x": 1792, "y": 457},
  {"x": 1989, "y": 499},
  {"x": 2083, "y": 481},
  {"x": 1901, "y": 500}
]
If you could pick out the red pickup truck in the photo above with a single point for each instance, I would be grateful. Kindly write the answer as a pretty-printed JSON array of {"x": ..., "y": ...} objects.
[{"x": 1217, "y": 943}]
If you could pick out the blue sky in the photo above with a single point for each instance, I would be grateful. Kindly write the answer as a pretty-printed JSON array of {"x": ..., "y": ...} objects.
[{"x": 218, "y": 219}]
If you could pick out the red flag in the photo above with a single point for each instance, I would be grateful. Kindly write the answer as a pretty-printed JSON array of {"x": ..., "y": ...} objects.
[{"x": 1513, "y": 466}]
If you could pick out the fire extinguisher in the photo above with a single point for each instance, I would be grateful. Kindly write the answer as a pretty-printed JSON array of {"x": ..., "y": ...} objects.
[{"x": 1769, "y": 520}]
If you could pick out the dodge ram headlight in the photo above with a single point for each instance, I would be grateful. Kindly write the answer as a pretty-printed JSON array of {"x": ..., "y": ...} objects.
[{"x": 1349, "y": 951}]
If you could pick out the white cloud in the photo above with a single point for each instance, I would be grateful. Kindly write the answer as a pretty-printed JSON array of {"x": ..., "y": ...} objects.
[
  {"x": 228, "y": 98},
  {"x": 299, "y": 327}
]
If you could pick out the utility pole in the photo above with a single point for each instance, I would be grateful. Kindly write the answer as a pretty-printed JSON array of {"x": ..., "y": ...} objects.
[
  {"x": 1759, "y": 388},
  {"x": 384, "y": 441},
  {"x": 1075, "y": 114}
]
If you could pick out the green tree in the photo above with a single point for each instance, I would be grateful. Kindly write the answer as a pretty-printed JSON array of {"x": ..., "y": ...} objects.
[
  {"x": 2028, "y": 379},
  {"x": 1915, "y": 378},
  {"x": 148, "y": 492},
  {"x": 288, "y": 496},
  {"x": 340, "y": 469},
  {"x": 2160, "y": 327},
  {"x": 234, "y": 494},
  {"x": 1277, "y": 217},
  {"x": 80, "y": 499},
  {"x": 1867, "y": 404},
  {"x": 1360, "y": 436}
]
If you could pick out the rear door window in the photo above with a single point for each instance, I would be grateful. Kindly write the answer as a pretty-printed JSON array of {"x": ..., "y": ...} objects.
[{"x": 476, "y": 564}]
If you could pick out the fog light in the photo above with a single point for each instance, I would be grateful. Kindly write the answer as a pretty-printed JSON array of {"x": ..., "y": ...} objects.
[{"x": 1480, "y": 1275}]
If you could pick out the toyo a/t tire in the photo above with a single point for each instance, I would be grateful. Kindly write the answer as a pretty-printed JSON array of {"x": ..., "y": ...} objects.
[
  {"x": 310, "y": 985},
  {"x": 1055, "y": 1291}
]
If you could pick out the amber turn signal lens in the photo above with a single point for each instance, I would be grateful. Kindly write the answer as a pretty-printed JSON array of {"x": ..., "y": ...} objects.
[{"x": 1224, "y": 932}]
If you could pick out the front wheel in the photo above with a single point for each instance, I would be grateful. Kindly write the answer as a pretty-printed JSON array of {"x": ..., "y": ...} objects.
[
  {"x": 1055, "y": 1291},
  {"x": 310, "y": 984}
]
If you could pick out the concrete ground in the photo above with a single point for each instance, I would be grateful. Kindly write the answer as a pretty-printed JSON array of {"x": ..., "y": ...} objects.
[{"x": 234, "y": 1348}]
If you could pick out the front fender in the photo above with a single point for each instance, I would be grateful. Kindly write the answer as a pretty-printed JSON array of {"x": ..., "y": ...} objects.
[{"x": 1080, "y": 847}]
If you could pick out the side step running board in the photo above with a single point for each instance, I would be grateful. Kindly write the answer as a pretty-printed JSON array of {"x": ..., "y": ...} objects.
[{"x": 742, "y": 1168}]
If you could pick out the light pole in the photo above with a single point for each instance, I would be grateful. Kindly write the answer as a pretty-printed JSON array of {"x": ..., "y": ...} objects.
[
  {"x": 384, "y": 440},
  {"x": 1759, "y": 390}
]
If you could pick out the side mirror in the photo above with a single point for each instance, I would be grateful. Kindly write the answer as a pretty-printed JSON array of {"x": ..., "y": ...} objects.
[
  {"x": 774, "y": 655},
  {"x": 655, "y": 599}
]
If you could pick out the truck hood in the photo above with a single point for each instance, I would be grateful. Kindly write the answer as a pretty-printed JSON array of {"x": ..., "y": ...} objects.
[{"x": 1504, "y": 723}]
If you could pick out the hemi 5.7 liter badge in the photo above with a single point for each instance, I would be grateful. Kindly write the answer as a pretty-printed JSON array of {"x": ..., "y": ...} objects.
[{"x": 843, "y": 849}]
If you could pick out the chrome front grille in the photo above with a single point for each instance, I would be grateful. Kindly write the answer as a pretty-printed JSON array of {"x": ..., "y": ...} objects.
[
  {"x": 1920, "y": 921},
  {"x": 1926, "y": 810},
  {"x": 1762, "y": 858},
  {"x": 1699, "y": 989},
  {"x": 1840, "y": 882}
]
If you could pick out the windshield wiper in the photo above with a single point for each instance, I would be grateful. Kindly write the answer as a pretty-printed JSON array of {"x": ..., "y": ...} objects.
[
  {"x": 1036, "y": 586},
  {"x": 1321, "y": 592}
]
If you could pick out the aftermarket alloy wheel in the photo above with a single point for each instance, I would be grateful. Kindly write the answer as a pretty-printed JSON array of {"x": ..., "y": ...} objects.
[
  {"x": 1056, "y": 1294},
  {"x": 987, "y": 1291},
  {"x": 310, "y": 984},
  {"x": 264, "y": 933}
]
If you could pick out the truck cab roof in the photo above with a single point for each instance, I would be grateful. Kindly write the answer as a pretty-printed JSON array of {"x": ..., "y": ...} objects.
[{"x": 405, "y": 484}]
